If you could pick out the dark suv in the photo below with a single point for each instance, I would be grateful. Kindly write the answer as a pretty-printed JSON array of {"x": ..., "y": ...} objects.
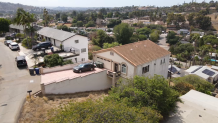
[
  {"x": 45, "y": 45},
  {"x": 83, "y": 67},
  {"x": 21, "y": 61}
]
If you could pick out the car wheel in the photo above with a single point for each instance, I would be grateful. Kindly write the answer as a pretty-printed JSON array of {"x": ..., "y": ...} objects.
[{"x": 80, "y": 71}]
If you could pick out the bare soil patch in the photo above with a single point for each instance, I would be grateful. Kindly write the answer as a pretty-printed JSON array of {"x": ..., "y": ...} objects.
[{"x": 36, "y": 110}]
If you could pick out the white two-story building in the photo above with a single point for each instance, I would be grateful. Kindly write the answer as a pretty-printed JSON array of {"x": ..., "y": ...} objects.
[
  {"x": 143, "y": 58},
  {"x": 70, "y": 42}
]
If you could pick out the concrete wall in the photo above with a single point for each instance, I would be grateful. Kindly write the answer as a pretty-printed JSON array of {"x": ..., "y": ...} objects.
[
  {"x": 83, "y": 43},
  {"x": 116, "y": 59},
  {"x": 159, "y": 69},
  {"x": 92, "y": 82},
  {"x": 61, "y": 68}
]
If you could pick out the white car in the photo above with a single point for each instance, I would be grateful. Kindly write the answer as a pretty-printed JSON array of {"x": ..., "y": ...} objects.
[{"x": 14, "y": 46}]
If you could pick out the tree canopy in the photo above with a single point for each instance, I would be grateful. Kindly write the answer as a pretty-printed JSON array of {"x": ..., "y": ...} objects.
[
  {"x": 123, "y": 32},
  {"x": 153, "y": 92},
  {"x": 102, "y": 38},
  {"x": 4, "y": 25}
]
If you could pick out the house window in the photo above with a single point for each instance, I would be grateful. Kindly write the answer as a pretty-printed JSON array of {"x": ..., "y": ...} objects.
[
  {"x": 83, "y": 59},
  {"x": 145, "y": 69},
  {"x": 112, "y": 53},
  {"x": 76, "y": 41},
  {"x": 83, "y": 50},
  {"x": 123, "y": 70},
  {"x": 161, "y": 62},
  {"x": 164, "y": 61}
]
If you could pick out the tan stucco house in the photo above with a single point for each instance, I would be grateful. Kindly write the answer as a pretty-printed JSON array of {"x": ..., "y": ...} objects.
[{"x": 143, "y": 58}]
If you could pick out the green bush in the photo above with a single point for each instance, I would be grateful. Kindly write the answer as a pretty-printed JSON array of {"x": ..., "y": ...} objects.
[
  {"x": 103, "y": 112},
  {"x": 153, "y": 92},
  {"x": 27, "y": 43},
  {"x": 90, "y": 56},
  {"x": 198, "y": 83},
  {"x": 183, "y": 87},
  {"x": 67, "y": 62},
  {"x": 53, "y": 60}
]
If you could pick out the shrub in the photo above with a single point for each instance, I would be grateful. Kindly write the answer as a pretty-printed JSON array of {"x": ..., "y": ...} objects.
[
  {"x": 43, "y": 40},
  {"x": 103, "y": 112},
  {"x": 96, "y": 48},
  {"x": 198, "y": 83},
  {"x": 141, "y": 92},
  {"x": 53, "y": 60},
  {"x": 183, "y": 87},
  {"x": 67, "y": 62},
  {"x": 27, "y": 43},
  {"x": 90, "y": 56}
]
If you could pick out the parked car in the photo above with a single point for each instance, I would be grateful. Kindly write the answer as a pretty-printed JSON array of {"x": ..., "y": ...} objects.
[
  {"x": 14, "y": 46},
  {"x": 7, "y": 42},
  {"x": 83, "y": 67},
  {"x": 20, "y": 61},
  {"x": 42, "y": 45}
]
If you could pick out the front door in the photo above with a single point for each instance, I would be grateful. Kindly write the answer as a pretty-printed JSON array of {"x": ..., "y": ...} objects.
[{"x": 115, "y": 67}]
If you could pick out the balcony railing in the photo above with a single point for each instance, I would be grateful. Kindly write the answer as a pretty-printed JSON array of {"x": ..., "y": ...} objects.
[{"x": 110, "y": 74}]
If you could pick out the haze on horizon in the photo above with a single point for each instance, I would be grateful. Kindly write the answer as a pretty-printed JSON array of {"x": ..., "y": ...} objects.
[{"x": 99, "y": 3}]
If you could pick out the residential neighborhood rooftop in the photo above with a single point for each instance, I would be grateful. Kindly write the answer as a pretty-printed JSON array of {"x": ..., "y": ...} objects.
[
  {"x": 55, "y": 33},
  {"x": 139, "y": 52},
  {"x": 197, "y": 107},
  {"x": 64, "y": 75}
]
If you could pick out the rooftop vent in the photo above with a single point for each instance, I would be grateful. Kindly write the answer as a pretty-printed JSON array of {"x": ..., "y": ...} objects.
[{"x": 131, "y": 49}]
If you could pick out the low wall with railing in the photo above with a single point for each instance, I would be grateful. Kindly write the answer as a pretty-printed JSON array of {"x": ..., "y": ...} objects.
[{"x": 61, "y": 68}]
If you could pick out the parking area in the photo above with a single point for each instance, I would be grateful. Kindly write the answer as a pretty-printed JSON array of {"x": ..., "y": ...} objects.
[{"x": 67, "y": 82}]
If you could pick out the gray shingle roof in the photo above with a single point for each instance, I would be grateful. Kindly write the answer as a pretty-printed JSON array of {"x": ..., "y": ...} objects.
[
  {"x": 55, "y": 33},
  {"x": 13, "y": 26}
]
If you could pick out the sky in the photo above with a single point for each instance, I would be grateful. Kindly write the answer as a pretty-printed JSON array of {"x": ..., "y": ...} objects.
[{"x": 99, "y": 3}]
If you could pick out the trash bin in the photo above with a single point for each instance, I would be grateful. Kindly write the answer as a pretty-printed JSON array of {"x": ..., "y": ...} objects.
[
  {"x": 52, "y": 49},
  {"x": 37, "y": 71},
  {"x": 31, "y": 70}
]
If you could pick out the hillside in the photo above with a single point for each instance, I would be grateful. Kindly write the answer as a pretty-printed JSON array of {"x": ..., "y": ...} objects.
[{"x": 6, "y": 7}]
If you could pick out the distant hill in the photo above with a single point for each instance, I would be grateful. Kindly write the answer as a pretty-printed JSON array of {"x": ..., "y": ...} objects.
[{"x": 6, "y": 7}]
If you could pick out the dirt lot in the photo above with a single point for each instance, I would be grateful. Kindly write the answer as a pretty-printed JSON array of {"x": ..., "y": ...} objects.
[
  {"x": 36, "y": 109},
  {"x": 214, "y": 21}
]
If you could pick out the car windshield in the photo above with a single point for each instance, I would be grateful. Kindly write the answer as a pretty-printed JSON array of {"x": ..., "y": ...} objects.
[
  {"x": 81, "y": 65},
  {"x": 38, "y": 44},
  {"x": 14, "y": 45}
]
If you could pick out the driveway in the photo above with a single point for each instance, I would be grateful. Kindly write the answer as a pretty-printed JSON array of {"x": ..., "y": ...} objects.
[
  {"x": 162, "y": 42},
  {"x": 14, "y": 84}
]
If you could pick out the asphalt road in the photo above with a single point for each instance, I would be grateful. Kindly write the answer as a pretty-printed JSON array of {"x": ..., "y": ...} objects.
[
  {"x": 162, "y": 42},
  {"x": 14, "y": 84}
]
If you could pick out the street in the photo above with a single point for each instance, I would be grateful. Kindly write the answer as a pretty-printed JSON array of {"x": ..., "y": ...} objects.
[
  {"x": 162, "y": 42},
  {"x": 14, "y": 84}
]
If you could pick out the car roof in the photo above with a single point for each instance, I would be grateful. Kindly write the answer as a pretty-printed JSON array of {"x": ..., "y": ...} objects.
[
  {"x": 20, "y": 57},
  {"x": 44, "y": 42},
  {"x": 13, "y": 43}
]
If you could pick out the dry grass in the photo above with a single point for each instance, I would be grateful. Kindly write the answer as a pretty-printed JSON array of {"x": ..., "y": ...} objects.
[
  {"x": 214, "y": 21},
  {"x": 36, "y": 109}
]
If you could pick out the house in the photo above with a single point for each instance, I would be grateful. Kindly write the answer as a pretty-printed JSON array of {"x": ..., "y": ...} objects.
[
  {"x": 204, "y": 72},
  {"x": 70, "y": 42},
  {"x": 196, "y": 107},
  {"x": 16, "y": 28},
  {"x": 184, "y": 31},
  {"x": 197, "y": 32},
  {"x": 143, "y": 58}
]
